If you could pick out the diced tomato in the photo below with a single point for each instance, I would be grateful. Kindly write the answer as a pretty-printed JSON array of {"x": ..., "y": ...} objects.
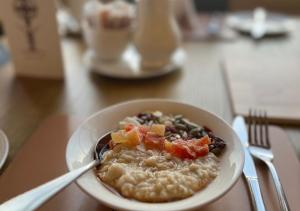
[
  {"x": 154, "y": 141},
  {"x": 128, "y": 127},
  {"x": 143, "y": 129},
  {"x": 180, "y": 141},
  {"x": 202, "y": 141},
  {"x": 187, "y": 149},
  {"x": 183, "y": 151},
  {"x": 201, "y": 150}
]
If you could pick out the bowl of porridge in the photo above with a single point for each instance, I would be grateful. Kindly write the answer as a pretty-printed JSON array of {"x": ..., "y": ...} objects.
[{"x": 162, "y": 155}]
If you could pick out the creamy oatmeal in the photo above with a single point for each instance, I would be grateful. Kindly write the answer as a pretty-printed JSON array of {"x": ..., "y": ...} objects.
[
  {"x": 158, "y": 158},
  {"x": 154, "y": 176}
]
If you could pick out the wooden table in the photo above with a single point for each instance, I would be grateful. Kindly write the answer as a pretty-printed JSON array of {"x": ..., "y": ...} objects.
[{"x": 25, "y": 103}]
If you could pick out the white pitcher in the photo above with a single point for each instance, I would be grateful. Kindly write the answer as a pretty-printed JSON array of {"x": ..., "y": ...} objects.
[{"x": 157, "y": 34}]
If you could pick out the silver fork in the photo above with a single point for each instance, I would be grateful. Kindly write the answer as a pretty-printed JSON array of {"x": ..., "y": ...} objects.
[{"x": 260, "y": 148}]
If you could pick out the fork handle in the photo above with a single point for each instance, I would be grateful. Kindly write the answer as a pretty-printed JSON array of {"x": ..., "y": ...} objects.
[
  {"x": 280, "y": 192},
  {"x": 256, "y": 196}
]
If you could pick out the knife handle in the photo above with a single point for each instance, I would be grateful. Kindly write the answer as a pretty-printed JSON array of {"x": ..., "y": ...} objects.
[{"x": 256, "y": 196}]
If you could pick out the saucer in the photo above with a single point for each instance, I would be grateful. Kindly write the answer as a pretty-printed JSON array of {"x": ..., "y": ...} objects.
[
  {"x": 276, "y": 24},
  {"x": 129, "y": 66}
]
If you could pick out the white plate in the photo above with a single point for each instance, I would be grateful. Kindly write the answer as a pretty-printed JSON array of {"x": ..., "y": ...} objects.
[
  {"x": 128, "y": 67},
  {"x": 276, "y": 24},
  {"x": 4, "y": 148},
  {"x": 80, "y": 149}
]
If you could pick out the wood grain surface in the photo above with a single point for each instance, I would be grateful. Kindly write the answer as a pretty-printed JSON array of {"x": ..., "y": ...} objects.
[{"x": 25, "y": 102}]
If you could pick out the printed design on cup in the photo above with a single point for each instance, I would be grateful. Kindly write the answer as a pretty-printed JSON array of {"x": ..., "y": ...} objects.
[{"x": 27, "y": 10}]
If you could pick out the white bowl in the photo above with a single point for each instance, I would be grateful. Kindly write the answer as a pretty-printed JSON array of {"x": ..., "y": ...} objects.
[
  {"x": 4, "y": 148},
  {"x": 81, "y": 144}
]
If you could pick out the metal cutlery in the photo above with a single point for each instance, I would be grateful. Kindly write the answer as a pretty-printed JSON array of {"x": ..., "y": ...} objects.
[
  {"x": 260, "y": 148},
  {"x": 249, "y": 168},
  {"x": 34, "y": 198}
]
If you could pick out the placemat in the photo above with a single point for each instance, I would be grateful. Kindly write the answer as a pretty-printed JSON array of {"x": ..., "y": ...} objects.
[
  {"x": 43, "y": 158},
  {"x": 265, "y": 83}
]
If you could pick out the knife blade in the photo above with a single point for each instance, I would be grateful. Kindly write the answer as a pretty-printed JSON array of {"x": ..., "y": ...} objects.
[{"x": 249, "y": 170}]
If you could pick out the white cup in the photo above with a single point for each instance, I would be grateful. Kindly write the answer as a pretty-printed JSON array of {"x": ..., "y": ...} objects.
[{"x": 107, "y": 44}]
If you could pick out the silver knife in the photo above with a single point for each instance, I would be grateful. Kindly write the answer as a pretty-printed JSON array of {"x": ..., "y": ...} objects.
[{"x": 249, "y": 170}]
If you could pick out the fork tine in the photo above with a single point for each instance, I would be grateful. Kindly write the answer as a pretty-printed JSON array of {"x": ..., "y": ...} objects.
[
  {"x": 256, "y": 142},
  {"x": 261, "y": 127},
  {"x": 249, "y": 126},
  {"x": 266, "y": 124}
]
